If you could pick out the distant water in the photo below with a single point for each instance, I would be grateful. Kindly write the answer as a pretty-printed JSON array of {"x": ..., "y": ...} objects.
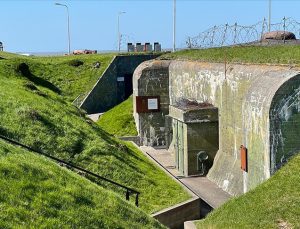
[{"x": 58, "y": 53}]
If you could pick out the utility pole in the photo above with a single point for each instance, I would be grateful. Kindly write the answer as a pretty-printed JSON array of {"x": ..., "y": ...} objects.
[{"x": 174, "y": 26}]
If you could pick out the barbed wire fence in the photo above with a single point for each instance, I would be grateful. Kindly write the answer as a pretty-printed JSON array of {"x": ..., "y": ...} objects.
[{"x": 229, "y": 35}]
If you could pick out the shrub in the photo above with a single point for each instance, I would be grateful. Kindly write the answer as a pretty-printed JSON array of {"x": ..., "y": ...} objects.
[{"x": 76, "y": 63}]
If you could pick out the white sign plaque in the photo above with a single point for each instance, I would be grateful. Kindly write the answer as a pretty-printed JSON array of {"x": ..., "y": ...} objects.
[{"x": 152, "y": 104}]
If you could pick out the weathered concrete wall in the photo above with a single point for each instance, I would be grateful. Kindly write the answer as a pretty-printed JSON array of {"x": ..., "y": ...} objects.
[
  {"x": 243, "y": 94},
  {"x": 174, "y": 217},
  {"x": 151, "y": 78},
  {"x": 109, "y": 90}
]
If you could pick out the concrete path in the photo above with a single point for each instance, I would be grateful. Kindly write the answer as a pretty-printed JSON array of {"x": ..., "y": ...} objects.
[
  {"x": 201, "y": 186},
  {"x": 95, "y": 117}
]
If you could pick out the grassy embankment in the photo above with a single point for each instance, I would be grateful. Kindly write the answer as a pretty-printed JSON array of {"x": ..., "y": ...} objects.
[
  {"x": 273, "y": 204},
  {"x": 33, "y": 111},
  {"x": 37, "y": 193},
  {"x": 73, "y": 75},
  {"x": 289, "y": 54},
  {"x": 119, "y": 120}
]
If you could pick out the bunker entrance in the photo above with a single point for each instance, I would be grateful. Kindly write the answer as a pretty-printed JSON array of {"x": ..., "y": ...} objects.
[
  {"x": 128, "y": 85},
  {"x": 196, "y": 137},
  {"x": 124, "y": 88}
]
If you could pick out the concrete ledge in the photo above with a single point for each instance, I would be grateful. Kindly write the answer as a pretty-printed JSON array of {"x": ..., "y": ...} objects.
[
  {"x": 195, "y": 115},
  {"x": 189, "y": 225},
  {"x": 175, "y": 216}
]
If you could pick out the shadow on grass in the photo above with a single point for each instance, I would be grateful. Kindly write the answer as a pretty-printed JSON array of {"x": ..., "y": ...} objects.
[
  {"x": 24, "y": 70},
  {"x": 6, "y": 133}
]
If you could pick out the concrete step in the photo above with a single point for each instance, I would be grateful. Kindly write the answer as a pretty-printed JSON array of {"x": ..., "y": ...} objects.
[{"x": 189, "y": 225}]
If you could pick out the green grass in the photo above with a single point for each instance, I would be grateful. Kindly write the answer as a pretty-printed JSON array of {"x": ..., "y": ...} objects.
[
  {"x": 33, "y": 113},
  {"x": 119, "y": 120},
  {"x": 273, "y": 203},
  {"x": 72, "y": 81},
  {"x": 289, "y": 54},
  {"x": 37, "y": 193}
]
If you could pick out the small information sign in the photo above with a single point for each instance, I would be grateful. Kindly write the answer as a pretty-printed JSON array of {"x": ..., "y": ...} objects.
[{"x": 152, "y": 104}]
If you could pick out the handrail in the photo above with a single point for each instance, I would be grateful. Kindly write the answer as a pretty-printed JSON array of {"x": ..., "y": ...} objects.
[{"x": 129, "y": 191}]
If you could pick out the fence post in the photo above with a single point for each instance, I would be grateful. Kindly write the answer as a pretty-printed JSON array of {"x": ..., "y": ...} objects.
[
  {"x": 189, "y": 43},
  {"x": 284, "y": 29},
  {"x": 224, "y": 36},
  {"x": 235, "y": 33},
  {"x": 263, "y": 29}
]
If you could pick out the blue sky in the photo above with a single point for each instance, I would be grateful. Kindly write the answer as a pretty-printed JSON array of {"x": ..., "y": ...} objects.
[{"x": 40, "y": 26}]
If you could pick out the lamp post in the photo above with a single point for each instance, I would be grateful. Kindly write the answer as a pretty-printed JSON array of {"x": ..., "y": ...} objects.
[
  {"x": 69, "y": 37},
  {"x": 174, "y": 26},
  {"x": 270, "y": 11},
  {"x": 119, "y": 34}
]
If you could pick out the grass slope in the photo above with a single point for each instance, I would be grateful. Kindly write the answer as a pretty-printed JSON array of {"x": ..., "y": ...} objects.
[
  {"x": 33, "y": 113},
  {"x": 289, "y": 54},
  {"x": 36, "y": 193},
  {"x": 59, "y": 70},
  {"x": 273, "y": 204},
  {"x": 119, "y": 120}
]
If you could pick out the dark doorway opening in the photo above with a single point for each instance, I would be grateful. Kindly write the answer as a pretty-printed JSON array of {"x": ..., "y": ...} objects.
[{"x": 128, "y": 85}]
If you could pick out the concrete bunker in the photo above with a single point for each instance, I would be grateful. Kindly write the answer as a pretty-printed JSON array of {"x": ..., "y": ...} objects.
[{"x": 254, "y": 106}]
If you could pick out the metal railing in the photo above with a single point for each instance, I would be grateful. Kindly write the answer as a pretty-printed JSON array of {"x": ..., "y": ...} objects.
[
  {"x": 79, "y": 100},
  {"x": 129, "y": 191}
]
